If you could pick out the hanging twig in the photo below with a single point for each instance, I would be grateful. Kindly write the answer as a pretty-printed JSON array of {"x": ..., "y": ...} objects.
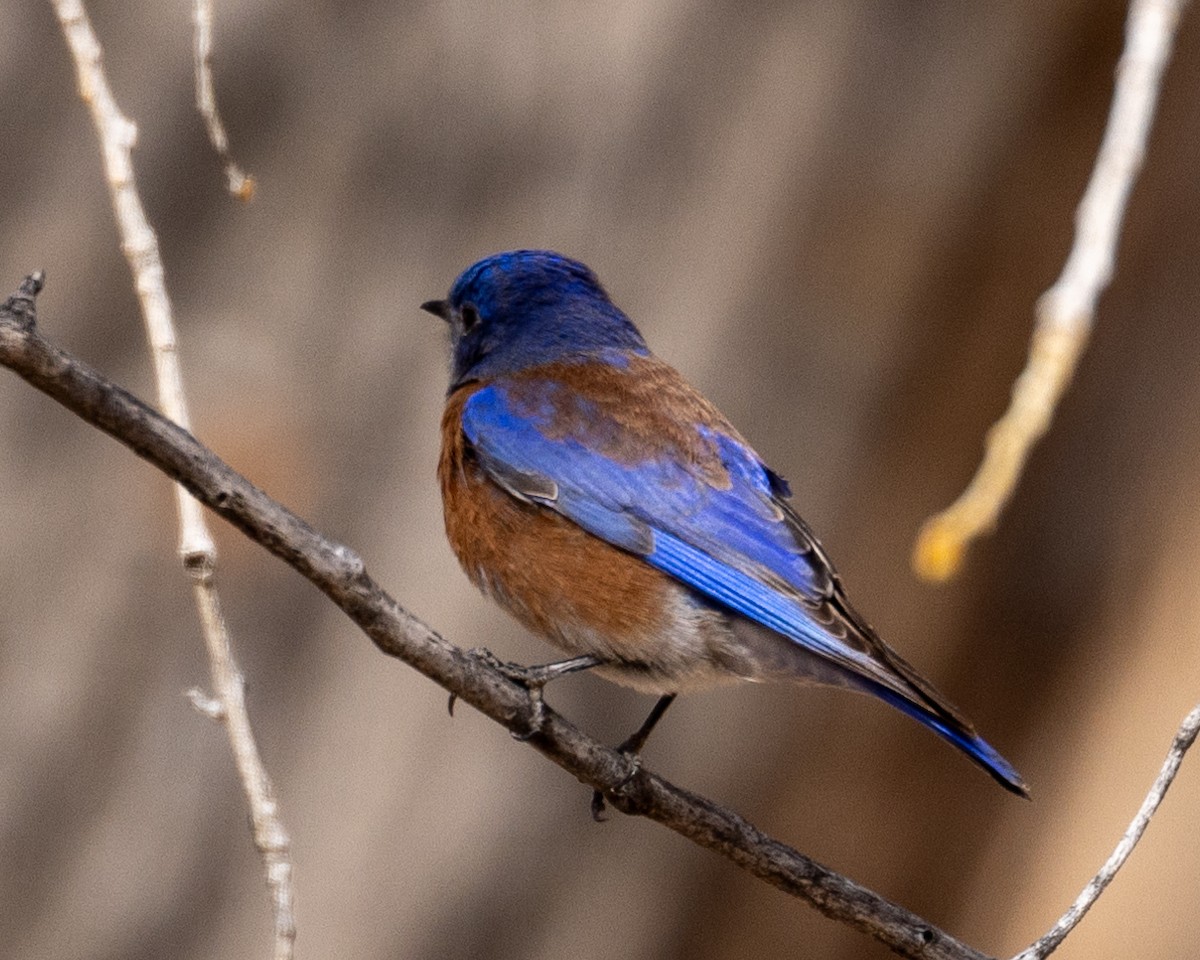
[
  {"x": 1066, "y": 311},
  {"x": 240, "y": 184}
]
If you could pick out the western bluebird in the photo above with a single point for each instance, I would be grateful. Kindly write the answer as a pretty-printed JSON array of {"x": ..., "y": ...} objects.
[{"x": 597, "y": 496}]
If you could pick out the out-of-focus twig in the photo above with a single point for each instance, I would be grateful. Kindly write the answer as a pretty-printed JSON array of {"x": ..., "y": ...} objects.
[
  {"x": 1065, "y": 312},
  {"x": 240, "y": 184},
  {"x": 1185, "y": 736},
  {"x": 117, "y": 135}
]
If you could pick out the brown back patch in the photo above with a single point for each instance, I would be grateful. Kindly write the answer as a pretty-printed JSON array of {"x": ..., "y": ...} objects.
[{"x": 645, "y": 411}]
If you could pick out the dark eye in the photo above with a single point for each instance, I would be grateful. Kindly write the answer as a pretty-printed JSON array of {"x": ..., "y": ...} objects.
[{"x": 470, "y": 317}]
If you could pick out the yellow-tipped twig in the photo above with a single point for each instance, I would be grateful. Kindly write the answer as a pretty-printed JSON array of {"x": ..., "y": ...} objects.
[{"x": 1066, "y": 311}]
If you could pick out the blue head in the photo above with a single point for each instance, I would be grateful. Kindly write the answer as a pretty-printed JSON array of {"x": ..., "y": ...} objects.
[{"x": 515, "y": 310}]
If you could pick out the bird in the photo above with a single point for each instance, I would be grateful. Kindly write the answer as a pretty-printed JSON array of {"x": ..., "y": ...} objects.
[{"x": 603, "y": 501}]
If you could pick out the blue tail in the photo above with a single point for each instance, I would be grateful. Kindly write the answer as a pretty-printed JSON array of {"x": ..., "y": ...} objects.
[{"x": 966, "y": 740}]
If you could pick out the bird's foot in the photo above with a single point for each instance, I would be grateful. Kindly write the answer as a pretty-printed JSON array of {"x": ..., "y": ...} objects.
[
  {"x": 488, "y": 659},
  {"x": 598, "y": 802},
  {"x": 631, "y": 748},
  {"x": 534, "y": 678},
  {"x": 531, "y": 678}
]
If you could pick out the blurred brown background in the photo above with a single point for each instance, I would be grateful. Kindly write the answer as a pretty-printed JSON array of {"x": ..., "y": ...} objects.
[{"x": 835, "y": 217}]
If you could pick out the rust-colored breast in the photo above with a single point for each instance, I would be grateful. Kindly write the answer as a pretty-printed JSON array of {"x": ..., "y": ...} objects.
[{"x": 578, "y": 591}]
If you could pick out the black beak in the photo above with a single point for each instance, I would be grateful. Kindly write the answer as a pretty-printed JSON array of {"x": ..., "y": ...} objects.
[{"x": 439, "y": 308}]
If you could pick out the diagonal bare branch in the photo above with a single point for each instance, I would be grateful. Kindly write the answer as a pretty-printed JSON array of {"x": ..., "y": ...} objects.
[{"x": 340, "y": 574}]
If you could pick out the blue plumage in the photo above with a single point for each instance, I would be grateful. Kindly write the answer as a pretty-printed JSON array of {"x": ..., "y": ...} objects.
[{"x": 530, "y": 318}]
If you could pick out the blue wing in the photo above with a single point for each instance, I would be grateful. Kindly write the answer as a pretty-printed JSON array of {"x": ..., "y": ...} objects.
[
  {"x": 735, "y": 544},
  {"x": 727, "y": 532}
]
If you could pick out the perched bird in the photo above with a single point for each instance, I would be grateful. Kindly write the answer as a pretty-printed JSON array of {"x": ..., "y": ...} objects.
[{"x": 596, "y": 495}]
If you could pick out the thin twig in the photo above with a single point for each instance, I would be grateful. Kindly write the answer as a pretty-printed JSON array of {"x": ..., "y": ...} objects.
[
  {"x": 1066, "y": 311},
  {"x": 339, "y": 573},
  {"x": 240, "y": 184},
  {"x": 1184, "y": 738},
  {"x": 117, "y": 135}
]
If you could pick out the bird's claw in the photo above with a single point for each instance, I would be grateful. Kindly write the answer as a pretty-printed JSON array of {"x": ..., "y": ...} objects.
[
  {"x": 531, "y": 678},
  {"x": 598, "y": 804},
  {"x": 539, "y": 718}
]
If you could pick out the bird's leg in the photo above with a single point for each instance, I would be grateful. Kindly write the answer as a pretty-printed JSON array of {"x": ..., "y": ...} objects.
[
  {"x": 531, "y": 678},
  {"x": 631, "y": 747},
  {"x": 534, "y": 678},
  {"x": 634, "y": 742}
]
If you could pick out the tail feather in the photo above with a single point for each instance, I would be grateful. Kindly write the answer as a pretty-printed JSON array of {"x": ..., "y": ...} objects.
[
  {"x": 764, "y": 654},
  {"x": 962, "y": 737},
  {"x": 924, "y": 703}
]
